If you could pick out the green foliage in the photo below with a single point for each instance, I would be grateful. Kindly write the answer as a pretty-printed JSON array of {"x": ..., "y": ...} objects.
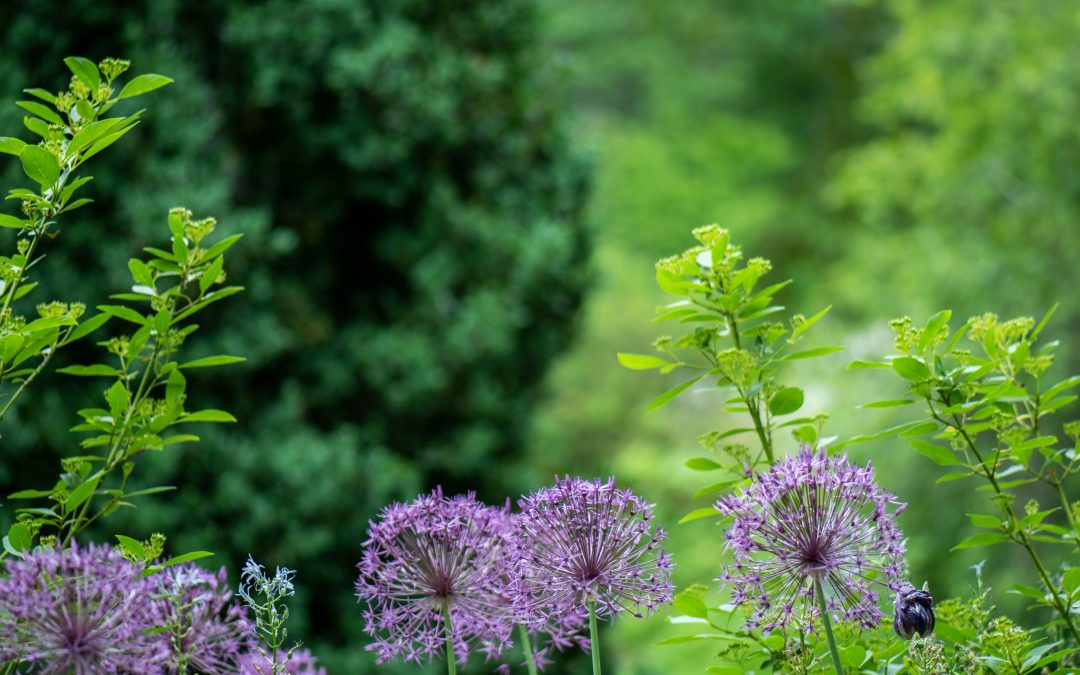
[{"x": 414, "y": 257}]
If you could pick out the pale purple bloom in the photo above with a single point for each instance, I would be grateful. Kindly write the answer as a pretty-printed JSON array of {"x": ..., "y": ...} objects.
[
  {"x": 587, "y": 541},
  {"x": 82, "y": 611},
  {"x": 812, "y": 518},
  {"x": 429, "y": 557},
  {"x": 207, "y": 630},
  {"x": 301, "y": 662}
]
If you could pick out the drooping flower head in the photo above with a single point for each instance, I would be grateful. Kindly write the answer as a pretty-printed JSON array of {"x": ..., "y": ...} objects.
[
  {"x": 587, "y": 541},
  {"x": 81, "y": 611},
  {"x": 434, "y": 558},
  {"x": 812, "y": 519},
  {"x": 914, "y": 612},
  {"x": 207, "y": 630}
]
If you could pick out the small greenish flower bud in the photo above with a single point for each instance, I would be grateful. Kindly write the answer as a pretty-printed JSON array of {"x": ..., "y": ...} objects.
[
  {"x": 1006, "y": 638},
  {"x": 155, "y": 546},
  {"x": 1014, "y": 330},
  {"x": 738, "y": 365},
  {"x": 711, "y": 235},
  {"x": 1072, "y": 430},
  {"x": 127, "y": 469},
  {"x": 65, "y": 102},
  {"x": 47, "y": 541},
  {"x": 906, "y": 335},
  {"x": 760, "y": 266},
  {"x": 927, "y": 655},
  {"x": 1037, "y": 365},
  {"x": 77, "y": 88},
  {"x": 962, "y": 356},
  {"x": 197, "y": 230},
  {"x": 112, "y": 68},
  {"x": 737, "y": 452},
  {"x": 671, "y": 264},
  {"x": 980, "y": 325},
  {"x": 52, "y": 310},
  {"x": 1014, "y": 436},
  {"x": 1031, "y": 508},
  {"x": 117, "y": 346},
  {"x": 1001, "y": 421},
  {"x": 1003, "y": 500},
  {"x": 662, "y": 344},
  {"x": 73, "y": 465},
  {"x": 76, "y": 310}
]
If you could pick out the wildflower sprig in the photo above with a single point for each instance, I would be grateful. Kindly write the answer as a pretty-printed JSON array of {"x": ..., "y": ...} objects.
[
  {"x": 265, "y": 597},
  {"x": 734, "y": 341},
  {"x": 989, "y": 411},
  {"x": 72, "y": 127}
]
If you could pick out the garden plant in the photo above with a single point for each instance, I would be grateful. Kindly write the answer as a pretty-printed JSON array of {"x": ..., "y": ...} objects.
[{"x": 810, "y": 549}]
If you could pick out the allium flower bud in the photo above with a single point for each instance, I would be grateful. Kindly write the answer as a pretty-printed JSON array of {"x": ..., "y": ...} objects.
[{"x": 914, "y": 613}]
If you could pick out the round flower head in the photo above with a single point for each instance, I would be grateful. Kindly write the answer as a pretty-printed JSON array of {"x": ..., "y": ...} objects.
[
  {"x": 434, "y": 558},
  {"x": 812, "y": 519},
  {"x": 914, "y": 612},
  {"x": 585, "y": 542},
  {"x": 82, "y": 611},
  {"x": 207, "y": 631}
]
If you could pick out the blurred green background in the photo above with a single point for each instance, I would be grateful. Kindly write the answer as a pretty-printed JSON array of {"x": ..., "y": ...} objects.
[{"x": 452, "y": 212}]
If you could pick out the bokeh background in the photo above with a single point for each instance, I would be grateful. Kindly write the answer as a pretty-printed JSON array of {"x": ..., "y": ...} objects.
[{"x": 451, "y": 213}]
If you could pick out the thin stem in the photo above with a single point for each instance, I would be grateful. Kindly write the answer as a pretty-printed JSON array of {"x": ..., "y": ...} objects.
[
  {"x": 828, "y": 628},
  {"x": 451, "y": 658},
  {"x": 594, "y": 643},
  {"x": 526, "y": 646},
  {"x": 1068, "y": 511},
  {"x": 755, "y": 413}
]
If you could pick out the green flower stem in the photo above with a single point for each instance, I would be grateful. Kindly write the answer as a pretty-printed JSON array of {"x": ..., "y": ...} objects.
[
  {"x": 451, "y": 658},
  {"x": 1066, "y": 506},
  {"x": 594, "y": 643},
  {"x": 526, "y": 646},
  {"x": 828, "y": 628}
]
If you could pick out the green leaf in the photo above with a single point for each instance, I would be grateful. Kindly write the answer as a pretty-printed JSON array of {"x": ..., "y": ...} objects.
[
  {"x": 11, "y": 146},
  {"x": 187, "y": 557},
  {"x": 44, "y": 112},
  {"x": 983, "y": 539},
  {"x": 919, "y": 429},
  {"x": 222, "y": 246},
  {"x": 852, "y": 656},
  {"x": 29, "y": 494},
  {"x": 786, "y": 401},
  {"x": 143, "y": 84},
  {"x": 133, "y": 546},
  {"x": 92, "y": 132},
  {"x": 125, "y": 313},
  {"x": 641, "y": 361},
  {"x": 698, "y": 514},
  {"x": 208, "y": 415},
  {"x": 670, "y": 395},
  {"x": 46, "y": 96},
  {"x": 1045, "y": 320},
  {"x": 88, "y": 326},
  {"x": 989, "y": 522},
  {"x": 910, "y": 369},
  {"x": 702, "y": 464},
  {"x": 865, "y": 365},
  {"x": 210, "y": 274},
  {"x": 691, "y": 605},
  {"x": 80, "y": 494},
  {"x": 809, "y": 322},
  {"x": 933, "y": 325},
  {"x": 715, "y": 487},
  {"x": 19, "y": 537},
  {"x": 895, "y": 403},
  {"x": 812, "y": 353},
  {"x": 13, "y": 222},
  {"x": 40, "y": 165},
  {"x": 209, "y": 361},
  {"x": 90, "y": 371},
  {"x": 118, "y": 398},
  {"x": 935, "y": 453},
  {"x": 85, "y": 70}
]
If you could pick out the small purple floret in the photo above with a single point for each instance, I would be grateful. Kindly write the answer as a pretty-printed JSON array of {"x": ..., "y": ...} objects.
[
  {"x": 811, "y": 518},
  {"x": 588, "y": 541}
]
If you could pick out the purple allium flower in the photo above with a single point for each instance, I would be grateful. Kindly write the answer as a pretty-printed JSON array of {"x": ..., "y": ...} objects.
[
  {"x": 587, "y": 541},
  {"x": 812, "y": 518},
  {"x": 207, "y": 632},
  {"x": 302, "y": 662},
  {"x": 82, "y": 611},
  {"x": 433, "y": 556}
]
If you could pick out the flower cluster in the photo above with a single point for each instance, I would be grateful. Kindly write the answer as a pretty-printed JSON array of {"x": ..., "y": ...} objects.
[
  {"x": 447, "y": 573},
  {"x": 812, "y": 519}
]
